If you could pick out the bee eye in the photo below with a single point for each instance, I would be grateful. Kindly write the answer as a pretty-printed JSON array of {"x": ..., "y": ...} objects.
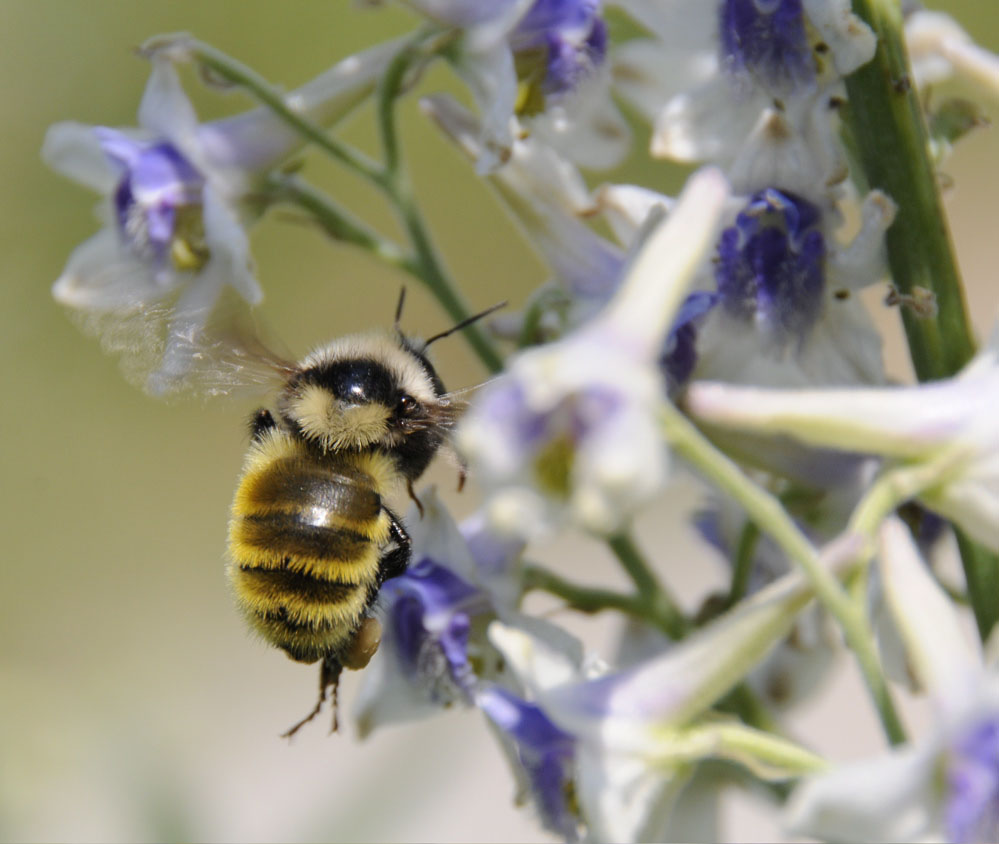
[{"x": 406, "y": 405}]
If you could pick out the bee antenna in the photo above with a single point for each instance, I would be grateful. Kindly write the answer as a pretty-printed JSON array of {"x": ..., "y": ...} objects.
[
  {"x": 398, "y": 309},
  {"x": 464, "y": 323}
]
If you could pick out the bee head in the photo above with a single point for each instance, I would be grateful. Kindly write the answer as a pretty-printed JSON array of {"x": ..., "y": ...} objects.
[{"x": 366, "y": 390}]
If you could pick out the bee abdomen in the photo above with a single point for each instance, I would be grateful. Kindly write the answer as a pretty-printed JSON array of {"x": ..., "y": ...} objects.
[{"x": 307, "y": 616}]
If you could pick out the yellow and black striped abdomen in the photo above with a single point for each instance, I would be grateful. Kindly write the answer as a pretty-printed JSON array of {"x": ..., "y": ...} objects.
[{"x": 305, "y": 540}]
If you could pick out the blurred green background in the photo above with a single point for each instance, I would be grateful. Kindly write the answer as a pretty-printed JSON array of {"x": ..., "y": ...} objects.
[{"x": 133, "y": 706}]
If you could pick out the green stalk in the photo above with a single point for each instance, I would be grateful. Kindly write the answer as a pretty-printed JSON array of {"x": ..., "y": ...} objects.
[
  {"x": 396, "y": 185},
  {"x": 236, "y": 73},
  {"x": 651, "y": 592},
  {"x": 771, "y": 518},
  {"x": 390, "y": 178},
  {"x": 743, "y": 563},
  {"x": 886, "y": 122},
  {"x": 591, "y": 600},
  {"x": 337, "y": 221}
]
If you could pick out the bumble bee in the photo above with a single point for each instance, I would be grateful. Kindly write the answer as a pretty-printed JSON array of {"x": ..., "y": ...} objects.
[
  {"x": 311, "y": 538},
  {"x": 311, "y": 535}
]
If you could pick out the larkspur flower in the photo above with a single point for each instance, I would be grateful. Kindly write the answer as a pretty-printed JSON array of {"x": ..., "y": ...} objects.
[
  {"x": 434, "y": 653},
  {"x": 425, "y": 658},
  {"x": 571, "y": 427},
  {"x": 539, "y": 61},
  {"x": 945, "y": 784},
  {"x": 176, "y": 206},
  {"x": 739, "y": 82},
  {"x": 636, "y": 733},
  {"x": 948, "y": 426},
  {"x": 778, "y": 305},
  {"x": 546, "y": 195}
]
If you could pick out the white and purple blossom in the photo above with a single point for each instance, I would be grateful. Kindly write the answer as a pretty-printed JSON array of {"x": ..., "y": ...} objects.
[
  {"x": 777, "y": 305},
  {"x": 434, "y": 653},
  {"x": 176, "y": 206},
  {"x": 947, "y": 424},
  {"x": 539, "y": 61},
  {"x": 723, "y": 81},
  {"x": 945, "y": 784},
  {"x": 425, "y": 660},
  {"x": 636, "y": 732},
  {"x": 547, "y": 195},
  {"x": 572, "y": 427}
]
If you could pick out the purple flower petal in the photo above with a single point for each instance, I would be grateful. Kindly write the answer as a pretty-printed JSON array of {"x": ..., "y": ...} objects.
[
  {"x": 768, "y": 41},
  {"x": 972, "y": 810},
  {"x": 546, "y": 753},
  {"x": 771, "y": 265}
]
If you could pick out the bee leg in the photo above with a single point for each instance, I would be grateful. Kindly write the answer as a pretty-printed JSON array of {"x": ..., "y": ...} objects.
[
  {"x": 329, "y": 675},
  {"x": 394, "y": 562},
  {"x": 260, "y": 423},
  {"x": 412, "y": 494},
  {"x": 462, "y": 475}
]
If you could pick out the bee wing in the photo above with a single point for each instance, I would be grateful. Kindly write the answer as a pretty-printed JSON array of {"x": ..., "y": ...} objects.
[{"x": 167, "y": 347}]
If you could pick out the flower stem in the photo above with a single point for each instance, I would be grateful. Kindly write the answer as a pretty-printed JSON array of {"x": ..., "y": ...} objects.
[
  {"x": 651, "y": 592},
  {"x": 743, "y": 563},
  {"x": 396, "y": 184},
  {"x": 886, "y": 121},
  {"x": 337, "y": 222},
  {"x": 390, "y": 178},
  {"x": 590, "y": 600},
  {"x": 771, "y": 518},
  {"x": 236, "y": 73}
]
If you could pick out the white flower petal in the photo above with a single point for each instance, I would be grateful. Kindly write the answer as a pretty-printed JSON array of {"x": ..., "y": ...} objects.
[
  {"x": 624, "y": 798},
  {"x": 972, "y": 501},
  {"x": 101, "y": 275},
  {"x": 628, "y": 708},
  {"x": 677, "y": 23},
  {"x": 889, "y": 798},
  {"x": 897, "y": 422},
  {"x": 622, "y": 466},
  {"x": 852, "y": 42},
  {"x": 230, "y": 247},
  {"x": 627, "y": 207},
  {"x": 938, "y": 47},
  {"x": 541, "y": 658},
  {"x": 649, "y": 74},
  {"x": 862, "y": 262},
  {"x": 436, "y": 536},
  {"x": 73, "y": 150},
  {"x": 386, "y": 696},
  {"x": 776, "y": 155},
  {"x": 586, "y": 126},
  {"x": 492, "y": 79},
  {"x": 943, "y": 658},
  {"x": 705, "y": 124},
  {"x": 166, "y": 110}
]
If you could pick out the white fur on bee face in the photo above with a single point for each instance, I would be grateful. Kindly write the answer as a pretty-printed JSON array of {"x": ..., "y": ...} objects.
[
  {"x": 337, "y": 424},
  {"x": 383, "y": 347}
]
